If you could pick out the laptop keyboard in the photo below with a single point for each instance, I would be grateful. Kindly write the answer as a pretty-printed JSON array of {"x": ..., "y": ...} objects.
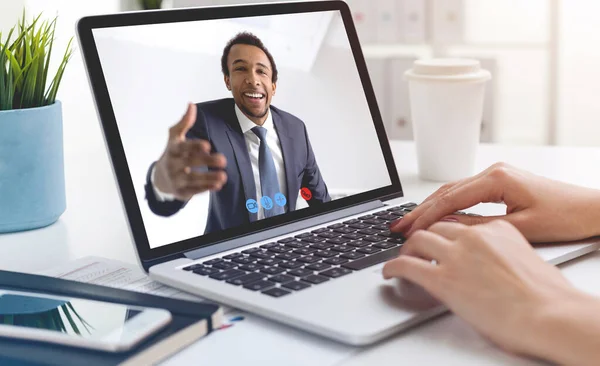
[{"x": 296, "y": 263}]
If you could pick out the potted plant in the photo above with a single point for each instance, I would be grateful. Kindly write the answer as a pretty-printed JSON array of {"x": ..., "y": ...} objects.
[{"x": 32, "y": 183}]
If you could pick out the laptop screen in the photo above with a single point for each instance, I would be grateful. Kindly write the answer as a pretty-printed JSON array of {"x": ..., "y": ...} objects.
[{"x": 279, "y": 122}]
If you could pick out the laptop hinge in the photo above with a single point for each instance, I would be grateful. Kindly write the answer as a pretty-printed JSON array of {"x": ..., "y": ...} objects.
[{"x": 282, "y": 230}]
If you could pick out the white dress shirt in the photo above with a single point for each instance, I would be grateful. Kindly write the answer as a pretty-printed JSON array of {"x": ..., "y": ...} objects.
[{"x": 253, "y": 145}]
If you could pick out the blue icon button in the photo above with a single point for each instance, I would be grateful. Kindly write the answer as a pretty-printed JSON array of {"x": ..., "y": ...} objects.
[
  {"x": 280, "y": 199},
  {"x": 252, "y": 205},
  {"x": 266, "y": 202}
]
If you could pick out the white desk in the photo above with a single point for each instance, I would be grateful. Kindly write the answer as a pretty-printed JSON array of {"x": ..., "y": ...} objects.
[{"x": 94, "y": 224}]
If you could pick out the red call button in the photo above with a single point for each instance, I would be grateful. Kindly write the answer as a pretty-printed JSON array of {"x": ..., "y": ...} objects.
[{"x": 306, "y": 194}]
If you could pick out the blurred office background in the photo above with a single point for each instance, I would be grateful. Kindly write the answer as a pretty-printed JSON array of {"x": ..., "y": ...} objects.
[{"x": 543, "y": 54}]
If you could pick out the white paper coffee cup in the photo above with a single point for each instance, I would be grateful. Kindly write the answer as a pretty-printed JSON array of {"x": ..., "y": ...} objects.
[{"x": 446, "y": 102}]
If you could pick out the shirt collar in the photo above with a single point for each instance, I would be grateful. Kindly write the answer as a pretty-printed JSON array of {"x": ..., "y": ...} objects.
[{"x": 246, "y": 124}]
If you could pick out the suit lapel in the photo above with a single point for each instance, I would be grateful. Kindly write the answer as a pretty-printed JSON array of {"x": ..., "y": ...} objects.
[
  {"x": 287, "y": 149},
  {"x": 238, "y": 143}
]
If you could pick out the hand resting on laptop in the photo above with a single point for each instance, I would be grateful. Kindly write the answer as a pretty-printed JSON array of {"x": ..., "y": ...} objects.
[
  {"x": 490, "y": 276},
  {"x": 543, "y": 210}
]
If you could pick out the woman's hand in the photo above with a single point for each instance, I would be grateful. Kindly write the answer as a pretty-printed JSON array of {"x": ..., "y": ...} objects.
[
  {"x": 490, "y": 276},
  {"x": 543, "y": 210}
]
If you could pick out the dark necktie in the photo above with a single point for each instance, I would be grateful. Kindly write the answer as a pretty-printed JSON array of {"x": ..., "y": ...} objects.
[{"x": 269, "y": 184}]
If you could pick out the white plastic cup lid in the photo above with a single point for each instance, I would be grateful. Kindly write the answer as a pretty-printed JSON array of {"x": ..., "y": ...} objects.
[{"x": 448, "y": 70}]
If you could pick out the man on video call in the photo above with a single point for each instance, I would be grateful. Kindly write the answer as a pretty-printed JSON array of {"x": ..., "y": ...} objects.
[{"x": 253, "y": 157}]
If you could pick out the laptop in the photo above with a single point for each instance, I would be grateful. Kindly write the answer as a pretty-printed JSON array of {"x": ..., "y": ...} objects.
[{"x": 298, "y": 232}]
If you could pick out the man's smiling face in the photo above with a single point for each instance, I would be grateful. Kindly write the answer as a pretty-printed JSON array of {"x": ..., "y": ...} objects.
[{"x": 250, "y": 81}]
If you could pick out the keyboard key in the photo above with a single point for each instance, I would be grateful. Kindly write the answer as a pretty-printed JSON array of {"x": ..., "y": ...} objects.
[
  {"x": 409, "y": 209},
  {"x": 353, "y": 236},
  {"x": 300, "y": 272},
  {"x": 397, "y": 240},
  {"x": 345, "y": 230},
  {"x": 374, "y": 222},
  {"x": 384, "y": 245},
  {"x": 287, "y": 256},
  {"x": 259, "y": 285},
  {"x": 261, "y": 255},
  {"x": 248, "y": 278},
  {"x": 318, "y": 266},
  {"x": 193, "y": 267},
  {"x": 368, "y": 250},
  {"x": 313, "y": 239},
  {"x": 320, "y": 231},
  {"x": 309, "y": 259},
  {"x": 226, "y": 275},
  {"x": 352, "y": 255},
  {"x": 303, "y": 235},
  {"x": 269, "y": 261},
  {"x": 233, "y": 255},
  {"x": 398, "y": 214},
  {"x": 285, "y": 240},
  {"x": 304, "y": 251},
  {"x": 251, "y": 267},
  {"x": 335, "y": 226},
  {"x": 212, "y": 261},
  {"x": 251, "y": 250},
  {"x": 338, "y": 240},
  {"x": 342, "y": 249},
  {"x": 367, "y": 217},
  {"x": 243, "y": 260},
  {"x": 381, "y": 213},
  {"x": 335, "y": 260},
  {"x": 358, "y": 243},
  {"x": 279, "y": 249},
  {"x": 336, "y": 272},
  {"x": 350, "y": 222},
  {"x": 281, "y": 278},
  {"x": 291, "y": 265},
  {"x": 276, "y": 292},
  {"x": 225, "y": 265},
  {"x": 386, "y": 234},
  {"x": 372, "y": 259},
  {"x": 296, "y": 244},
  {"x": 369, "y": 231},
  {"x": 315, "y": 279},
  {"x": 359, "y": 226},
  {"x": 321, "y": 246},
  {"x": 394, "y": 209},
  {"x": 325, "y": 253},
  {"x": 205, "y": 271},
  {"x": 296, "y": 285},
  {"x": 373, "y": 239},
  {"x": 272, "y": 270},
  {"x": 409, "y": 204},
  {"x": 329, "y": 234},
  {"x": 388, "y": 217},
  {"x": 269, "y": 245},
  {"x": 381, "y": 228}
]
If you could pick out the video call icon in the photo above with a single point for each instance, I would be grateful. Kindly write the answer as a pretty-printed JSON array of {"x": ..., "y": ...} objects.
[
  {"x": 306, "y": 194},
  {"x": 266, "y": 202},
  {"x": 252, "y": 205},
  {"x": 280, "y": 199}
]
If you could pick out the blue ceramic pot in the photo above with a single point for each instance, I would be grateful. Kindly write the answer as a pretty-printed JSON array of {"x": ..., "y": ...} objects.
[{"x": 32, "y": 178}]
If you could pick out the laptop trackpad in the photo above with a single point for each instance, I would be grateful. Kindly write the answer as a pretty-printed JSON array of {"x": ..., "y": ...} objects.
[{"x": 405, "y": 295}]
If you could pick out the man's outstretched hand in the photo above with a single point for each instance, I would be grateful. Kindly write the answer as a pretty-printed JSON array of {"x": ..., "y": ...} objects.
[{"x": 182, "y": 170}]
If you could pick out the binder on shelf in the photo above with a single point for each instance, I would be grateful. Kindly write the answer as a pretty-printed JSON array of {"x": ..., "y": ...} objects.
[
  {"x": 363, "y": 13},
  {"x": 378, "y": 73},
  {"x": 190, "y": 320},
  {"x": 448, "y": 21},
  {"x": 400, "y": 124},
  {"x": 387, "y": 20},
  {"x": 412, "y": 21}
]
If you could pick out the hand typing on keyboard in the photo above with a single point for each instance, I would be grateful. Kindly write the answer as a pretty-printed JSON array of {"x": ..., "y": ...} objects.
[{"x": 543, "y": 210}]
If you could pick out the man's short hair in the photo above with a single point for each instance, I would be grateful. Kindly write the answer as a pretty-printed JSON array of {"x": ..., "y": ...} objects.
[{"x": 251, "y": 40}]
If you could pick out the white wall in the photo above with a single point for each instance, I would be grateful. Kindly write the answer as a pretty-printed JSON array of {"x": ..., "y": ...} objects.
[
  {"x": 579, "y": 75},
  {"x": 150, "y": 80}
]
